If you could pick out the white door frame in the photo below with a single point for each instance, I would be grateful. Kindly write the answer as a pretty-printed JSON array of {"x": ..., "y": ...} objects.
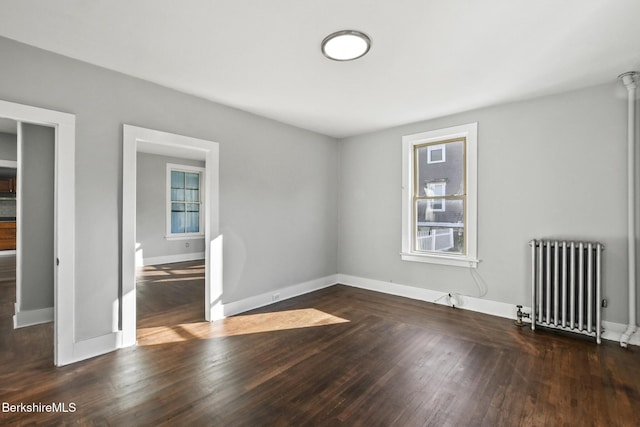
[
  {"x": 64, "y": 220},
  {"x": 136, "y": 139}
]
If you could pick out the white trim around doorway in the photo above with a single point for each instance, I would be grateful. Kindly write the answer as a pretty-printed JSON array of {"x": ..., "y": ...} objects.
[
  {"x": 64, "y": 222},
  {"x": 138, "y": 139}
]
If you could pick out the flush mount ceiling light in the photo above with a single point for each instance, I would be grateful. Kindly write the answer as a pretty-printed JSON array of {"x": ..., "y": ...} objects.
[{"x": 346, "y": 45}]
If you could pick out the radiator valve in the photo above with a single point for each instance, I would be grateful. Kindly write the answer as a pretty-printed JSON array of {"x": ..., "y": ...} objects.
[{"x": 519, "y": 315}]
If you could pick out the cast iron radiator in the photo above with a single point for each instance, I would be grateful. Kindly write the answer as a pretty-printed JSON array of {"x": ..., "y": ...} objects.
[{"x": 566, "y": 286}]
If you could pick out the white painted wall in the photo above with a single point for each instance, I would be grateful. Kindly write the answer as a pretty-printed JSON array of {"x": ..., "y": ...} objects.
[
  {"x": 551, "y": 167},
  {"x": 151, "y": 209},
  {"x": 278, "y": 202}
]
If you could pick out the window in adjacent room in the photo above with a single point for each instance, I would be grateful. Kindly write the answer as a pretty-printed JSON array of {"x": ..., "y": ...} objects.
[
  {"x": 439, "y": 196},
  {"x": 184, "y": 201}
]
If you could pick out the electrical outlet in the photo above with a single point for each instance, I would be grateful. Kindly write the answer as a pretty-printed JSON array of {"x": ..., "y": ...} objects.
[
  {"x": 187, "y": 244},
  {"x": 275, "y": 297}
]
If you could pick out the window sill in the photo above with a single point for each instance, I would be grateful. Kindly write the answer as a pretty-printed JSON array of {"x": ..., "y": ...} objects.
[
  {"x": 184, "y": 236},
  {"x": 457, "y": 261}
]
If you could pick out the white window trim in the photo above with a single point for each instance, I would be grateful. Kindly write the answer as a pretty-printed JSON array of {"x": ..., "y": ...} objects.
[
  {"x": 433, "y": 148},
  {"x": 470, "y": 259},
  {"x": 184, "y": 168}
]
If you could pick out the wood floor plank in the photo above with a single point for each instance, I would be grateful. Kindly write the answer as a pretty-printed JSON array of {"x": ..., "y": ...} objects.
[{"x": 337, "y": 357}]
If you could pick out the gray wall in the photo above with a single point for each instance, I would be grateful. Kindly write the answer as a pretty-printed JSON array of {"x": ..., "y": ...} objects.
[
  {"x": 278, "y": 202},
  {"x": 550, "y": 167},
  {"x": 151, "y": 195},
  {"x": 8, "y": 146},
  {"x": 36, "y": 225}
]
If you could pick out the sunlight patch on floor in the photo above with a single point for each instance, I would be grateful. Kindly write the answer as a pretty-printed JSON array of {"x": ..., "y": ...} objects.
[
  {"x": 238, "y": 325},
  {"x": 159, "y": 272}
]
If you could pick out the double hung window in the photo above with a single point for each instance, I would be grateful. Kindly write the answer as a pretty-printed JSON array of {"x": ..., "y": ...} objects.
[
  {"x": 439, "y": 196},
  {"x": 184, "y": 200}
]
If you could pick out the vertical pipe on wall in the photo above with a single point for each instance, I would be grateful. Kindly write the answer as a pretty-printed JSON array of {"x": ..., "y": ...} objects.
[{"x": 629, "y": 80}]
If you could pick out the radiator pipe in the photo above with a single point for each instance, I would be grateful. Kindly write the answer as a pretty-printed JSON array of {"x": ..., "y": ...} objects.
[{"x": 629, "y": 80}]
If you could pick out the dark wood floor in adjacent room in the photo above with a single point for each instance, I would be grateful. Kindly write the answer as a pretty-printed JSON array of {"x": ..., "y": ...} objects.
[{"x": 337, "y": 357}]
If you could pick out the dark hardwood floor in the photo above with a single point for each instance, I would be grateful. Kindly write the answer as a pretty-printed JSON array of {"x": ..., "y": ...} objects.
[
  {"x": 171, "y": 293},
  {"x": 337, "y": 357}
]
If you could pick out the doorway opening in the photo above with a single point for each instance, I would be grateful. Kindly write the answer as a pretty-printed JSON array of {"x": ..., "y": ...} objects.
[
  {"x": 8, "y": 186},
  {"x": 140, "y": 140},
  {"x": 169, "y": 296},
  {"x": 55, "y": 134}
]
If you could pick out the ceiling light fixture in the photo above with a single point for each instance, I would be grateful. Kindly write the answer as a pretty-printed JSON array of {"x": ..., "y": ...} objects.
[{"x": 346, "y": 45}]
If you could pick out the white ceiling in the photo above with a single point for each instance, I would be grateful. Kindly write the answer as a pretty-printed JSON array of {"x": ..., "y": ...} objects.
[{"x": 429, "y": 58}]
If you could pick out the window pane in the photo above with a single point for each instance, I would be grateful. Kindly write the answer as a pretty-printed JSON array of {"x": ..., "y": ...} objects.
[
  {"x": 177, "y": 179},
  {"x": 442, "y": 178},
  {"x": 440, "y": 230},
  {"x": 192, "y": 195},
  {"x": 193, "y": 222},
  {"x": 185, "y": 198},
  {"x": 452, "y": 212},
  {"x": 177, "y": 222},
  {"x": 177, "y": 194},
  {"x": 440, "y": 239},
  {"x": 192, "y": 180}
]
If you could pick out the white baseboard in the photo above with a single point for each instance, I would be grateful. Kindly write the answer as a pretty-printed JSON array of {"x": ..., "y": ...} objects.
[
  {"x": 93, "y": 347},
  {"x": 82, "y": 350},
  {"x": 106, "y": 343},
  {"x": 612, "y": 331},
  {"x": 97, "y": 346},
  {"x": 168, "y": 259},
  {"x": 262, "y": 300},
  {"x": 32, "y": 317},
  {"x": 8, "y": 252},
  {"x": 480, "y": 305}
]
